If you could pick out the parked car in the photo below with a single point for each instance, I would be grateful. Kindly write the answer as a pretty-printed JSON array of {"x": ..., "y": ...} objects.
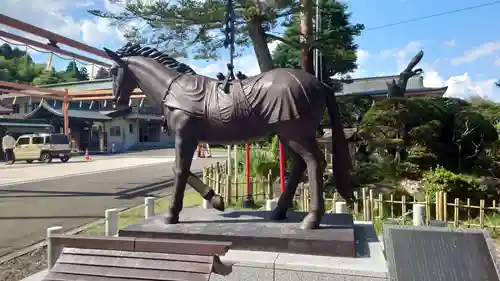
[{"x": 42, "y": 147}]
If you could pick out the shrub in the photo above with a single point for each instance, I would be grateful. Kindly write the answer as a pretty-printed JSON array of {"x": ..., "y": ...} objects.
[
  {"x": 409, "y": 170},
  {"x": 420, "y": 156},
  {"x": 456, "y": 185}
]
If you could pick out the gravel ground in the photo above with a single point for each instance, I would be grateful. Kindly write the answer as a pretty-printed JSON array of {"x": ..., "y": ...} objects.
[
  {"x": 24, "y": 266},
  {"x": 35, "y": 261}
]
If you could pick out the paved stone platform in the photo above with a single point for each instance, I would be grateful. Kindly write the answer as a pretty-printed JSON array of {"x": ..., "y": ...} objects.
[
  {"x": 368, "y": 265},
  {"x": 252, "y": 230}
]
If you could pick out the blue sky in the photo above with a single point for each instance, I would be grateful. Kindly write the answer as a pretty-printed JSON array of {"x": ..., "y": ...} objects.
[
  {"x": 462, "y": 50},
  {"x": 467, "y": 30}
]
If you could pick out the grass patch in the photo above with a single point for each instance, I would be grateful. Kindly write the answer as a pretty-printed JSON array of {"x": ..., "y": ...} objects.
[
  {"x": 136, "y": 214},
  {"x": 490, "y": 220}
]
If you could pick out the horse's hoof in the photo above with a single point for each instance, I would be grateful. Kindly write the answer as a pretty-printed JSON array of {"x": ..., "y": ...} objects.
[
  {"x": 171, "y": 219},
  {"x": 311, "y": 221},
  {"x": 278, "y": 214},
  {"x": 217, "y": 203}
]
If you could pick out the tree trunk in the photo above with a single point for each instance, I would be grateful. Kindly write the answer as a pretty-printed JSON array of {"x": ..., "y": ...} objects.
[
  {"x": 258, "y": 36},
  {"x": 306, "y": 29}
]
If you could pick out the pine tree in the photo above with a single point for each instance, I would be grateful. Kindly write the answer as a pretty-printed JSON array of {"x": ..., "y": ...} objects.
[
  {"x": 102, "y": 73},
  {"x": 336, "y": 42},
  {"x": 196, "y": 26}
]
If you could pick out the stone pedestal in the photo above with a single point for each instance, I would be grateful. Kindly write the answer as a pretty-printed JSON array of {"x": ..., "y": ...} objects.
[
  {"x": 253, "y": 231},
  {"x": 368, "y": 265}
]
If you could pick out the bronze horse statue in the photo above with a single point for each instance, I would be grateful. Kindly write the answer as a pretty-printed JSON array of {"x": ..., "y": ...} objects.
[{"x": 287, "y": 102}]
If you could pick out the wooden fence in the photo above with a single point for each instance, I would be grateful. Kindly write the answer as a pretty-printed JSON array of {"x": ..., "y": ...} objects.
[{"x": 368, "y": 205}]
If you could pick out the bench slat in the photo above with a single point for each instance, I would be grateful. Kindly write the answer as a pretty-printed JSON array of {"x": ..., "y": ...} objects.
[
  {"x": 142, "y": 255},
  {"x": 135, "y": 273},
  {"x": 131, "y": 259},
  {"x": 57, "y": 276},
  {"x": 126, "y": 262}
]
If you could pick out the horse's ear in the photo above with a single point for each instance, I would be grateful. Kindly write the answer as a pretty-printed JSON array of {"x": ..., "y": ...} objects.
[{"x": 114, "y": 56}]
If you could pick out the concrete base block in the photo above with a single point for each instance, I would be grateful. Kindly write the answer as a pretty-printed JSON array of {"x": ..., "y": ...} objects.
[
  {"x": 271, "y": 204},
  {"x": 368, "y": 265}
]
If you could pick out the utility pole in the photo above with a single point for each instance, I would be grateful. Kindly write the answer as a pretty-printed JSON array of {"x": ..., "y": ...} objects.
[
  {"x": 318, "y": 59},
  {"x": 307, "y": 38}
]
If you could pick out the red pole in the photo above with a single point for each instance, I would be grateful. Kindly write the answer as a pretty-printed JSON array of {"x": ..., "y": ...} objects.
[
  {"x": 282, "y": 168},
  {"x": 248, "y": 202}
]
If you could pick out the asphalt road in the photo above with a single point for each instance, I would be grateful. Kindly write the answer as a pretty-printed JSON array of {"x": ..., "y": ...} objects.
[{"x": 27, "y": 210}]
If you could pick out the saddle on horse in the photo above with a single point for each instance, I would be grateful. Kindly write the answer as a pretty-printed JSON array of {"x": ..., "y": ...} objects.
[{"x": 274, "y": 95}]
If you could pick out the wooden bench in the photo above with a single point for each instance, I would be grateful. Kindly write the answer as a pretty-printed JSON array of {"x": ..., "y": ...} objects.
[{"x": 134, "y": 259}]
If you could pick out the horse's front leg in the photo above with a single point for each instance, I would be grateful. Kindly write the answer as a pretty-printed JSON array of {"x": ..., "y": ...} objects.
[
  {"x": 206, "y": 192},
  {"x": 184, "y": 152}
]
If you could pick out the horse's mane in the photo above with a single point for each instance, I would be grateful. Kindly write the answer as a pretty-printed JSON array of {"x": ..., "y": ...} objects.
[{"x": 134, "y": 49}]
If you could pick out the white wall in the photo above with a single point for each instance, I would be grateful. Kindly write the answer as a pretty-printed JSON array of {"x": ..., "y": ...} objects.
[{"x": 126, "y": 139}]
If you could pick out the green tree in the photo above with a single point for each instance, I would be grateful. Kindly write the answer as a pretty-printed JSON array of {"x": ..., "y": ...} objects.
[
  {"x": 195, "y": 26},
  {"x": 489, "y": 109},
  {"x": 336, "y": 37},
  {"x": 451, "y": 130},
  {"x": 102, "y": 73},
  {"x": 73, "y": 73},
  {"x": 83, "y": 74},
  {"x": 48, "y": 77},
  {"x": 18, "y": 66}
]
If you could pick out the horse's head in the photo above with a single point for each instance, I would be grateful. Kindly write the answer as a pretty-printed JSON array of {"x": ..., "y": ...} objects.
[{"x": 124, "y": 81}]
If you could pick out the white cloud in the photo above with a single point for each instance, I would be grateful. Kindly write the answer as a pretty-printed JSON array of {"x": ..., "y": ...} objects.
[
  {"x": 272, "y": 46},
  {"x": 476, "y": 53},
  {"x": 450, "y": 43},
  {"x": 247, "y": 64},
  {"x": 97, "y": 31},
  {"x": 362, "y": 56},
  {"x": 84, "y": 3},
  {"x": 403, "y": 54},
  {"x": 463, "y": 86},
  {"x": 55, "y": 16}
]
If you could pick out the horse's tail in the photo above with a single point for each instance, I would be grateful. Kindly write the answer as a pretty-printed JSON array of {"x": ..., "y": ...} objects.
[{"x": 341, "y": 163}]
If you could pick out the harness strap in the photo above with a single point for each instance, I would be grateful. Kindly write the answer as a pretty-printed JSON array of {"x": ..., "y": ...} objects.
[{"x": 169, "y": 86}]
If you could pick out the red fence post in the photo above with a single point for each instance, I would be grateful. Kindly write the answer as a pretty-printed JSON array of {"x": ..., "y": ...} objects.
[{"x": 248, "y": 201}]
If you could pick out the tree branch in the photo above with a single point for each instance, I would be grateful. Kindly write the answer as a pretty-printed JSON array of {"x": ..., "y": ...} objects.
[{"x": 281, "y": 39}]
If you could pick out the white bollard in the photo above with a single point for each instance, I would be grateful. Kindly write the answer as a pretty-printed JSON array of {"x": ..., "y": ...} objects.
[
  {"x": 149, "y": 207},
  {"x": 111, "y": 225},
  {"x": 271, "y": 204},
  {"x": 340, "y": 207},
  {"x": 206, "y": 204},
  {"x": 52, "y": 252},
  {"x": 418, "y": 214}
]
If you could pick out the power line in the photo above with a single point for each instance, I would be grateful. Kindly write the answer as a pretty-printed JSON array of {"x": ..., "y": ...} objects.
[{"x": 435, "y": 15}]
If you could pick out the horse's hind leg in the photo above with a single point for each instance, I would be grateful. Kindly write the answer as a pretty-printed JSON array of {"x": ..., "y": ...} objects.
[
  {"x": 285, "y": 201},
  {"x": 184, "y": 152},
  {"x": 308, "y": 149}
]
